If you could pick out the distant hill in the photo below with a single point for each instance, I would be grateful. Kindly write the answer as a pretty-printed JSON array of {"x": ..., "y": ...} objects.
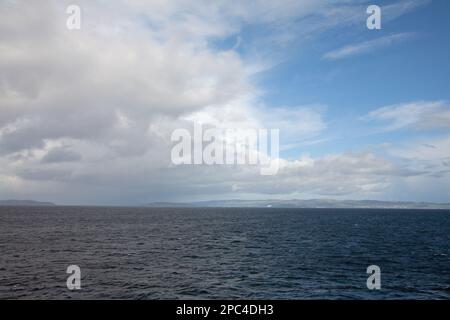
[
  {"x": 170, "y": 205},
  {"x": 25, "y": 203},
  {"x": 312, "y": 203}
]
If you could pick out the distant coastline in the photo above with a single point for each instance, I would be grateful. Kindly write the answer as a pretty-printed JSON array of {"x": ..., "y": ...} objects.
[
  {"x": 295, "y": 203},
  {"x": 25, "y": 203}
]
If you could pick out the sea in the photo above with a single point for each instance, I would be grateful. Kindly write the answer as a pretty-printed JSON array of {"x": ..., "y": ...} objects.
[{"x": 223, "y": 253}]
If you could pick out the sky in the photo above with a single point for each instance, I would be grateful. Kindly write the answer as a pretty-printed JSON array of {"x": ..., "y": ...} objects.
[{"x": 86, "y": 116}]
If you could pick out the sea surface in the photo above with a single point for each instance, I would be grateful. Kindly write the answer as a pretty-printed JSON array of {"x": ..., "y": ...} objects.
[{"x": 215, "y": 253}]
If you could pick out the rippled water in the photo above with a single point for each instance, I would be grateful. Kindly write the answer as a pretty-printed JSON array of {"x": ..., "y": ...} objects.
[{"x": 148, "y": 253}]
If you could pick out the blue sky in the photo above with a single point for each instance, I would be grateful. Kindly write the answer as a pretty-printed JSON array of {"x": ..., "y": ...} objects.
[
  {"x": 415, "y": 69},
  {"x": 86, "y": 116}
]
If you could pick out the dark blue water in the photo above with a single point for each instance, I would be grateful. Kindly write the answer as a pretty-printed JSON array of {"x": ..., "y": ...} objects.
[{"x": 147, "y": 253}]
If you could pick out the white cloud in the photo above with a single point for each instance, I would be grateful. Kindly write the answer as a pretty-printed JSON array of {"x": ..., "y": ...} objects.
[
  {"x": 367, "y": 46},
  {"x": 431, "y": 155},
  {"x": 358, "y": 174},
  {"x": 399, "y": 8},
  {"x": 416, "y": 115}
]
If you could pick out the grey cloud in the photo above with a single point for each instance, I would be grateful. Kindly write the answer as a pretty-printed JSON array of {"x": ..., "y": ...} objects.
[
  {"x": 61, "y": 154},
  {"x": 42, "y": 174}
]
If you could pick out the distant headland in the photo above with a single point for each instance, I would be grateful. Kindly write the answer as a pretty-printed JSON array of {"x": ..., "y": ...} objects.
[{"x": 25, "y": 203}]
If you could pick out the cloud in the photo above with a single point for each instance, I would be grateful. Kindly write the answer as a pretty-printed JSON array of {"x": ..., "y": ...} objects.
[
  {"x": 359, "y": 174},
  {"x": 431, "y": 156},
  {"x": 432, "y": 150},
  {"x": 419, "y": 115},
  {"x": 353, "y": 16},
  {"x": 399, "y": 8},
  {"x": 367, "y": 46},
  {"x": 86, "y": 116},
  {"x": 61, "y": 154},
  {"x": 298, "y": 125}
]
